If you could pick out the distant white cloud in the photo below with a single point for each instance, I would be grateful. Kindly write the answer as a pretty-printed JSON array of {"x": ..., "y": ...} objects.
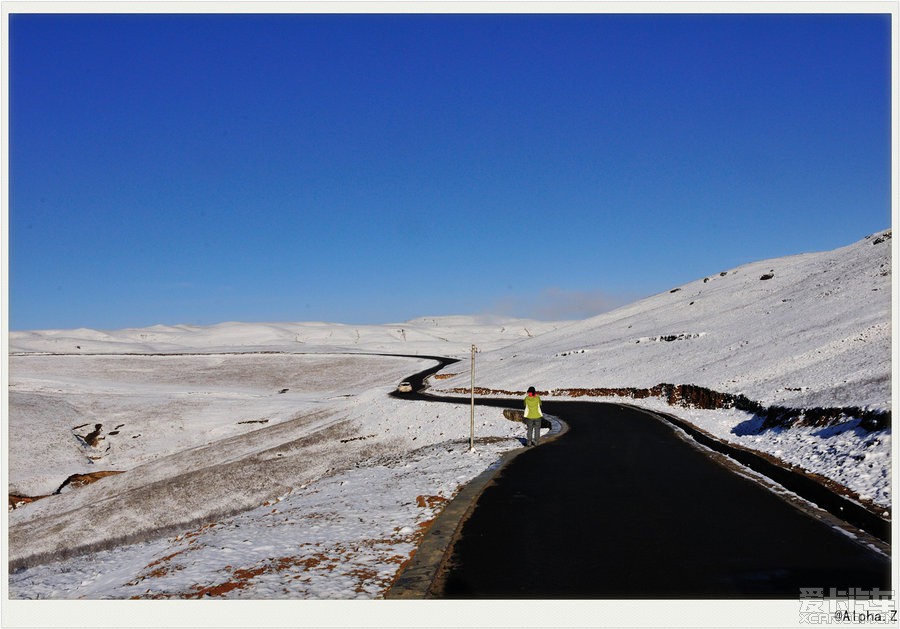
[{"x": 558, "y": 304}]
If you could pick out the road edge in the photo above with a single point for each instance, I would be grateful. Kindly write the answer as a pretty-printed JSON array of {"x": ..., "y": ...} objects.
[
  {"x": 417, "y": 578},
  {"x": 789, "y": 484}
]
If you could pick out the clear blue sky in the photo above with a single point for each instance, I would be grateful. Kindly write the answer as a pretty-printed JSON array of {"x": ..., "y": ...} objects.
[{"x": 376, "y": 168}]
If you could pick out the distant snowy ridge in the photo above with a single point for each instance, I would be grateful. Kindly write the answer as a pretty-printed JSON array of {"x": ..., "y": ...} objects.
[{"x": 447, "y": 336}]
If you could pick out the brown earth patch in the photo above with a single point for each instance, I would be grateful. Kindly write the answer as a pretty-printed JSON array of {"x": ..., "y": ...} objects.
[
  {"x": 431, "y": 501},
  {"x": 164, "y": 559},
  {"x": 75, "y": 480},
  {"x": 16, "y": 502},
  {"x": 363, "y": 576},
  {"x": 241, "y": 578},
  {"x": 80, "y": 480},
  {"x": 157, "y": 568},
  {"x": 192, "y": 535}
]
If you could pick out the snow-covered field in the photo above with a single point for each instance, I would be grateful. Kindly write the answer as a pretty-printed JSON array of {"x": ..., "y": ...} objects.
[
  {"x": 247, "y": 471},
  {"x": 267, "y": 461},
  {"x": 323, "y": 504}
]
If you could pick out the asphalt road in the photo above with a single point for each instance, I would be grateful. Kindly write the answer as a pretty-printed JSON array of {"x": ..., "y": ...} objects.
[{"x": 621, "y": 507}]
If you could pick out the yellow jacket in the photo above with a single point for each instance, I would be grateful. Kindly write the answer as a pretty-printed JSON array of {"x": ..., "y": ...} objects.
[{"x": 533, "y": 407}]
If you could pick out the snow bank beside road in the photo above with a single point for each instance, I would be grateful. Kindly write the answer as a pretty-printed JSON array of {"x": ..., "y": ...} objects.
[{"x": 857, "y": 459}]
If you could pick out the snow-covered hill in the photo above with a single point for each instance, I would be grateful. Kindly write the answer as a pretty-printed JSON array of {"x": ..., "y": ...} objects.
[{"x": 810, "y": 330}]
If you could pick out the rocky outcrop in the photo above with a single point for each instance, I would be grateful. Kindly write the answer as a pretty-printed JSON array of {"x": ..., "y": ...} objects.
[
  {"x": 778, "y": 416},
  {"x": 80, "y": 480},
  {"x": 16, "y": 502},
  {"x": 75, "y": 480}
]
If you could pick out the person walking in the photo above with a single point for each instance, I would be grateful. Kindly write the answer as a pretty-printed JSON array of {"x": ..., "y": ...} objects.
[{"x": 533, "y": 417}]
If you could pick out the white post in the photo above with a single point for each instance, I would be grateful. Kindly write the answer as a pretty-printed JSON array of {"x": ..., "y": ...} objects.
[{"x": 472, "y": 391}]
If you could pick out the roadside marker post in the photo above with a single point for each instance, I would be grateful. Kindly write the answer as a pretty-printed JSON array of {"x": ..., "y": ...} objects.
[{"x": 472, "y": 391}]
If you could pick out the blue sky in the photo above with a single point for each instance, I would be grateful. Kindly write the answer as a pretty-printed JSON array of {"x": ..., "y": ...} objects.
[{"x": 376, "y": 168}]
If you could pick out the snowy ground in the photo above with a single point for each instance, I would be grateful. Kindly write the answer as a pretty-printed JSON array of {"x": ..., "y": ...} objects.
[
  {"x": 251, "y": 471},
  {"x": 343, "y": 536},
  {"x": 345, "y": 474}
]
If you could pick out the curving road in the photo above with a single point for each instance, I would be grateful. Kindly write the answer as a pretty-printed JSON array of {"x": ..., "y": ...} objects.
[{"x": 622, "y": 506}]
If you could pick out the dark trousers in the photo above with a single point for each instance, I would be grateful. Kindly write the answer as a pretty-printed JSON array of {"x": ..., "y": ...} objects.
[{"x": 533, "y": 432}]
